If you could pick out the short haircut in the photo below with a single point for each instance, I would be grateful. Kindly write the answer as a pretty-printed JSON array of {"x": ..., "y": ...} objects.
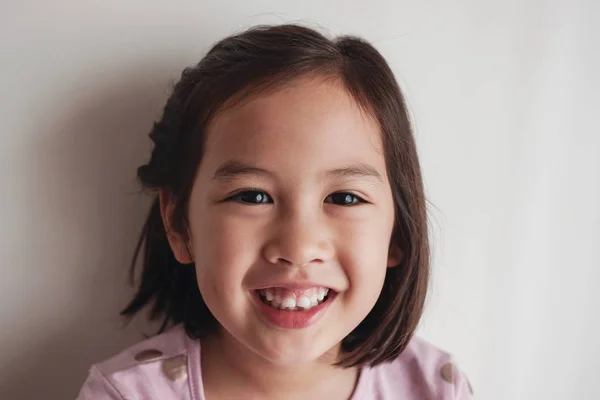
[{"x": 257, "y": 60}]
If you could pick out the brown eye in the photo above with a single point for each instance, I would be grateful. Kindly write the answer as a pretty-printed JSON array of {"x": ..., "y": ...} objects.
[
  {"x": 252, "y": 197},
  {"x": 345, "y": 199}
]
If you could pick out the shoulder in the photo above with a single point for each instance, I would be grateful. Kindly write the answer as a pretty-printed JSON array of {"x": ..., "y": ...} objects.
[
  {"x": 422, "y": 371},
  {"x": 154, "y": 368}
]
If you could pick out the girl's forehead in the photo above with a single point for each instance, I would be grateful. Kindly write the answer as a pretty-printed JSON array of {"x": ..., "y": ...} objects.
[{"x": 310, "y": 121}]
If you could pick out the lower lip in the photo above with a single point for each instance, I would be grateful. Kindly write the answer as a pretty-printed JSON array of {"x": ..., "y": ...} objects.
[{"x": 288, "y": 319}]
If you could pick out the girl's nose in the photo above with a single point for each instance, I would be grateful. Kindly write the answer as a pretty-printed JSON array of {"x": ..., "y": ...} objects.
[{"x": 299, "y": 241}]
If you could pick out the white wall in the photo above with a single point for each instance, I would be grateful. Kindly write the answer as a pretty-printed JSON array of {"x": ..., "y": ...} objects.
[{"x": 505, "y": 100}]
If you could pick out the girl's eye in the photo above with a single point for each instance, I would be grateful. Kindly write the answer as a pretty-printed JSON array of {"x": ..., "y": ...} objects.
[
  {"x": 345, "y": 199},
  {"x": 252, "y": 197}
]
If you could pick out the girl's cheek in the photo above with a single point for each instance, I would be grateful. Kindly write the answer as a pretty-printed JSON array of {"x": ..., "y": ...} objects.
[
  {"x": 365, "y": 252},
  {"x": 230, "y": 242}
]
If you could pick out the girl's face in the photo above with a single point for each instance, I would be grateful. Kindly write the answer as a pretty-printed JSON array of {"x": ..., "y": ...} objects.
[{"x": 292, "y": 198}]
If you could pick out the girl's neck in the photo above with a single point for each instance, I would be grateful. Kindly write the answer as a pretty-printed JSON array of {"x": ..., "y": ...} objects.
[{"x": 230, "y": 370}]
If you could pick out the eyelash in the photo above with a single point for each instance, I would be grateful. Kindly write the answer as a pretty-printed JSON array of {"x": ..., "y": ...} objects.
[{"x": 237, "y": 197}]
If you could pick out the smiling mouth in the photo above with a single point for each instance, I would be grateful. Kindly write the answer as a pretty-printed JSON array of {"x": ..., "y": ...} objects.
[{"x": 282, "y": 299}]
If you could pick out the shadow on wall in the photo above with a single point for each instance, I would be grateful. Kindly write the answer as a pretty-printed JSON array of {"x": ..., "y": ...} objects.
[{"x": 89, "y": 210}]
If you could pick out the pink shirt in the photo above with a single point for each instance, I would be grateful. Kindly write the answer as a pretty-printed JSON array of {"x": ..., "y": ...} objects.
[{"x": 167, "y": 367}]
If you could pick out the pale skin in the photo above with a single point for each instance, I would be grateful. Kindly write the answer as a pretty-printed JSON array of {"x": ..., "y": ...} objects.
[{"x": 309, "y": 225}]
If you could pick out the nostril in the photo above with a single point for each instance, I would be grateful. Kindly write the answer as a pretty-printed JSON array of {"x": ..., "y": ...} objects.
[
  {"x": 290, "y": 249},
  {"x": 284, "y": 261}
]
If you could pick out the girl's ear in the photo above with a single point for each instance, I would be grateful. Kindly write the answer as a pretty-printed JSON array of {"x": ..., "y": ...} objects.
[
  {"x": 178, "y": 244},
  {"x": 395, "y": 255}
]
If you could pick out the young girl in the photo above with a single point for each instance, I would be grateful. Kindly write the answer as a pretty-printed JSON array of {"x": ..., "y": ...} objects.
[{"x": 286, "y": 250}]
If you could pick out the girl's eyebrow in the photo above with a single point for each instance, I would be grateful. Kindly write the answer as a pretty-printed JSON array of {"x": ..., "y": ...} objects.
[
  {"x": 232, "y": 169},
  {"x": 360, "y": 170}
]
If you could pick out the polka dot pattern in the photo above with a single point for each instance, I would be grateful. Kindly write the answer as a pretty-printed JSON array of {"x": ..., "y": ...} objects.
[
  {"x": 175, "y": 368},
  {"x": 148, "y": 355},
  {"x": 447, "y": 373}
]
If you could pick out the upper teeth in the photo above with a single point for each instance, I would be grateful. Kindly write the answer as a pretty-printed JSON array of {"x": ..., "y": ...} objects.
[{"x": 285, "y": 299}]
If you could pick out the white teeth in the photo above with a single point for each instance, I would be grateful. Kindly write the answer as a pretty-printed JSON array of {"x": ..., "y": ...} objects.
[
  {"x": 288, "y": 302},
  {"x": 322, "y": 293},
  {"x": 314, "y": 300},
  {"x": 303, "y": 302}
]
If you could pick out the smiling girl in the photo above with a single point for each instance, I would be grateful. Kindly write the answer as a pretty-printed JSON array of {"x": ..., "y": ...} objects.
[{"x": 286, "y": 250}]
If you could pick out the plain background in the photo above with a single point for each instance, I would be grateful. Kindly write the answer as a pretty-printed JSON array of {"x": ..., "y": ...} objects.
[{"x": 504, "y": 97}]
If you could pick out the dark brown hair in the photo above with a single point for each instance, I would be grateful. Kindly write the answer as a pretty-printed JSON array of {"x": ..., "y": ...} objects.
[{"x": 241, "y": 66}]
